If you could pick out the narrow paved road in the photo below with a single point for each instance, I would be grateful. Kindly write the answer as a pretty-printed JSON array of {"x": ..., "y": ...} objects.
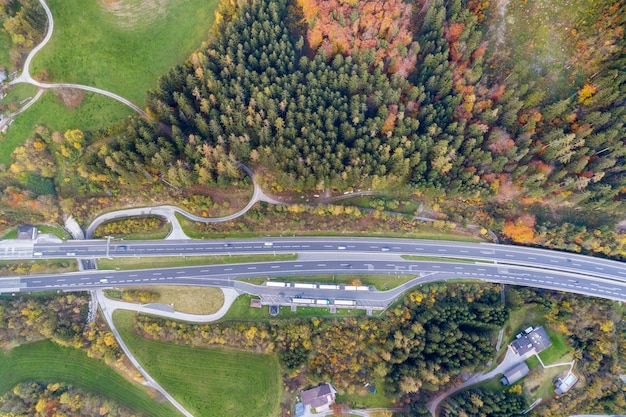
[
  {"x": 169, "y": 212},
  {"x": 25, "y": 76},
  {"x": 108, "y": 315}
]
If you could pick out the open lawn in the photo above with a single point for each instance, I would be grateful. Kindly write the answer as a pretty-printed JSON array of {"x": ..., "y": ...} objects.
[
  {"x": 131, "y": 263},
  {"x": 241, "y": 310},
  {"x": 122, "y": 46},
  {"x": 365, "y": 399},
  {"x": 186, "y": 299},
  {"x": 5, "y": 42},
  {"x": 18, "y": 93},
  {"x": 558, "y": 351},
  {"x": 94, "y": 111},
  {"x": 48, "y": 362},
  {"x": 208, "y": 382},
  {"x": 540, "y": 382}
]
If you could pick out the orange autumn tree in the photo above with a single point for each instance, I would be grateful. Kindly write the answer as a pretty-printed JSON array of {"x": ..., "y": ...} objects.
[{"x": 521, "y": 230}]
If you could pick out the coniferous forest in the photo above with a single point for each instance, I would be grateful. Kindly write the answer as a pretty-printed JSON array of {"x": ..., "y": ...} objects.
[{"x": 450, "y": 118}]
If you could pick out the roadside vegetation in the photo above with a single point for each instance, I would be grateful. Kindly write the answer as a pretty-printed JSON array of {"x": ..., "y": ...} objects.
[
  {"x": 185, "y": 299},
  {"x": 210, "y": 382},
  {"x": 331, "y": 220},
  {"x": 130, "y": 263},
  {"x": 38, "y": 266},
  {"x": 135, "y": 228}
]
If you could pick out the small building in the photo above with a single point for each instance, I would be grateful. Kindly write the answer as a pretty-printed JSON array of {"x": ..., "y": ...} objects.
[
  {"x": 565, "y": 384},
  {"x": 532, "y": 340},
  {"x": 26, "y": 232},
  {"x": 255, "y": 303},
  {"x": 319, "y": 398},
  {"x": 515, "y": 373}
]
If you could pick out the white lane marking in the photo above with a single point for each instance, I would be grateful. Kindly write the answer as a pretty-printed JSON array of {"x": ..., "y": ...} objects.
[
  {"x": 228, "y": 269},
  {"x": 156, "y": 273},
  {"x": 275, "y": 266},
  {"x": 61, "y": 280},
  {"x": 298, "y": 266},
  {"x": 252, "y": 267},
  {"x": 36, "y": 282},
  {"x": 181, "y": 272},
  {"x": 321, "y": 264},
  {"x": 132, "y": 275},
  {"x": 204, "y": 270}
]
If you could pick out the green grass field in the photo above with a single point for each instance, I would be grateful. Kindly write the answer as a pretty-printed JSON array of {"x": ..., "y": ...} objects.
[
  {"x": 19, "y": 92},
  {"x": 122, "y": 46},
  {"x": 558, "y": 351},
  {"x": 48, "y": 362},
  {"x": 366, "y": 399},
  {"x": 173, "y": 261},
  {"x": 123, "y": 50},
  {"x": 208, "y": 382},
  {"x": 95, "y": 111},
  {"x": 5, "y": 60}
]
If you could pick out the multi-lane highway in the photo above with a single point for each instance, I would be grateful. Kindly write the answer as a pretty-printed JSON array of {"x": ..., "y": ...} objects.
[
  {"x": 375, "y": 249},
  {"x": 334, "y": 255},
  {"x": 353, "y": 263}
]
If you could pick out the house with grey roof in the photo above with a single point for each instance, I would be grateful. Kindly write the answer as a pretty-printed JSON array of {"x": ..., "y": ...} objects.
[
  {"x": 531, "y": 341},
  {"x": 319, "y": 398},
  {"x": 514, "y": 374}
]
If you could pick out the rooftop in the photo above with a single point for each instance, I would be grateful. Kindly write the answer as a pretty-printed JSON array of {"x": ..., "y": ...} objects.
[
  {"x": 515, "y": 373},
  {"x": 535, "y": 340},
  {"x": 319, "y": 396}
]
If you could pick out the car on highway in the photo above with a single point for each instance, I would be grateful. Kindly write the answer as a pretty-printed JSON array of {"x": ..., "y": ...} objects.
[{"x": 341, "y": 247}]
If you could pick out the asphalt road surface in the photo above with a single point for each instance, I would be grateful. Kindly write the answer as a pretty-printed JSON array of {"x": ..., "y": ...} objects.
[
  {"x": 225, "y": 275},
  {"x": 334, "y": 255},
  {"x": 376, "y": 249}
]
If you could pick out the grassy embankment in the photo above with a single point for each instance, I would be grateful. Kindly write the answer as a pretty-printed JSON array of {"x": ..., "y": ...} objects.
[
  {"x": 285, "y": 229},
  {"x": 123, "y": 48},
  {"x": 18, "y": 93},
  {"x": 131, "y": 263},
  {"x": 185, "y": 299},
  {"x": 208, "y": 382},
  {"x": 48, "y": 362}
]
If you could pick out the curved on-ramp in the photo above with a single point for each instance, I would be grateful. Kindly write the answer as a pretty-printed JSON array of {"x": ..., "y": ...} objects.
[{"x": 169, "y": 212}]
